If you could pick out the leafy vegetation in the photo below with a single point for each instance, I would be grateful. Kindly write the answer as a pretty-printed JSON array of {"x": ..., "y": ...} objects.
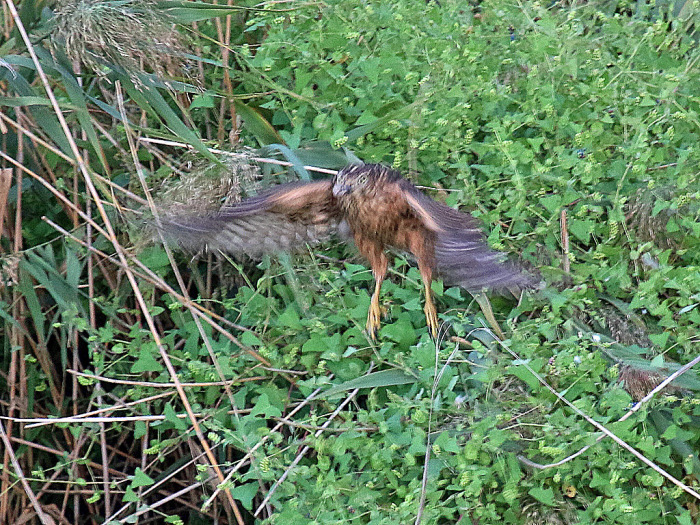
[{"x": 246, "y": 391}]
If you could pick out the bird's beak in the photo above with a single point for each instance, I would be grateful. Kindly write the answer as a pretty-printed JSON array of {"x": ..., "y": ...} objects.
[{"x": 340, "y": 189}]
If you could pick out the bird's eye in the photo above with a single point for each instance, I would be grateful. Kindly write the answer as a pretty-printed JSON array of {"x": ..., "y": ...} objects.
[{"x": 362, "y": 179}]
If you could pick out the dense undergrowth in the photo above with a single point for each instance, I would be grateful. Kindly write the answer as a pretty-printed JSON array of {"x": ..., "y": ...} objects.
[{"x": 570, "y": 130}]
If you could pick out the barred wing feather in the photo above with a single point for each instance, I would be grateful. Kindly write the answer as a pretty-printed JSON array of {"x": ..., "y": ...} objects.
[
  {"x": 462, "y": 256},
  {"x": 284, "y": 218}
]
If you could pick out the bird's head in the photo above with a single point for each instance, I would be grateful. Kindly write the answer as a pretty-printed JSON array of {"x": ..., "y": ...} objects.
[{"x": 350, "y": 180}]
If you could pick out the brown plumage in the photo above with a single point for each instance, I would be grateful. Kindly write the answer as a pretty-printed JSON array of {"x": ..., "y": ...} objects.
[{"x": 379, "y": 209}]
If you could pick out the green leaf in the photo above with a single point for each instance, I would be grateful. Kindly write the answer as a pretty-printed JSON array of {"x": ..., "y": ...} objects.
[
  {"x": 374, "y": 380},
  {"x": 24, "y": 101},
  {"x": 43, "y": 116},
  {"x": 130, "y": 496},
  {"x": 522, "y": 373},
  {"x": 155, "y": 257},
  {"x": 171, "y": 416},
  {"x": 660, "y": 340},
  {"x": 401, "y": 331},
  {"x": 146, "y": 361},
  {"x": 263, "y": 406},
  {"x": 188, "y": 12},
  {"x": 455, "y": 293},
  {"x": 447, "y": 443},
  {"x": 552, "y": 203},
  {"x": 290, "y": 318},
  {"x": 545, "y": 496},
  {"x": 5, "y": 313},
  {"x": 149, "y": 99},
  {"x": 366, "y": 118},
  {"x": 684, "y": 518},
  {"x": 581, "y": 229},
  {"x": 77, "y": 96},
  {"x": 413, "y": 304},
  {"x": 257, "y": 125},
  {"x": 139, "y": 429},
  {"x": 141, "y": 479},
  {"x": 250, "y": 339},
  {"x": 202, "y": 101},
  {"x": 323, "y": 155},
  {"x": 245, "y": 494},
  {"x": 317, "y": 343},
  {"x": 42, "y": 265},
  {"x": 289, "y": 156},
  {"x": 364, "y": 129},
  {"x": 26, "y": 288}
]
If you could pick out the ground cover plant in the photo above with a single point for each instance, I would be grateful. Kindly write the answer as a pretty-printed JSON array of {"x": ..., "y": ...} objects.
[{"x": 198, "y": 389}]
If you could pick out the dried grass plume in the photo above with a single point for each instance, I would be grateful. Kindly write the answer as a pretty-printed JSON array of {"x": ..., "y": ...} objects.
[{"x": 132, "y": 34}]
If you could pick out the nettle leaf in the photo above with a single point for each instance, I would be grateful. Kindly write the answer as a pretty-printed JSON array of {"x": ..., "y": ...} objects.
[
  {"x": 202, "y": 101},
  {"x": 317, "y": 343},
  {"x": 263, "y": 407},
  {"x": 130, "y": 496},
  {"x": 520, "y": 371},
  {"x": 146, "y": 361},
  {"x": 155, "y": 257},
  {"x": 245, "y": 493},
  {"x": 660, "y": 340},
  {"x": 414, "y": 303},
  {"x": 172, "y": 417},
  {"x": 552, "y": 203},
  {"x": 250, "y": 339},
  {"x": 401, "y": 331},
  {"x": 139, "y": 429},
  {"x": 546, "y": 496},
  {"x": 140, "y": 479},
  {"x": 581, "y": 229},
  {"x": 447, "y": 443}
]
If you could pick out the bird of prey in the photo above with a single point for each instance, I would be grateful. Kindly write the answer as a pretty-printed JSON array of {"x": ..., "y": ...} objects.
[{"x": 378, "y": 208}]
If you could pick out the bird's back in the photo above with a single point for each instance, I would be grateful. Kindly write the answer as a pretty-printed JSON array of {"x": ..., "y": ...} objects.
[{"x": 392, "y": 212}]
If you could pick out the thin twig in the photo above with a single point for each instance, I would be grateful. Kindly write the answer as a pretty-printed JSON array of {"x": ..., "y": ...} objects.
[
  {"x": 599, "y": 426},
  {"x": 193, "y": 419},
  {"x": 436, "y": 381},
  {"x": 152, "y": 384},
  {"x": 42, "y": 421},
  {"x": 263, "y": 160},
  {"x": 45, "y": 518},
  {"x": 306, "y": 448},
  {"x": 566, "y": 263},
  {"x": 155, "y": 486},
  {"x": 150, "y": 276},
  {"x": 116, "y": 473},
  {"x": 112, "y": 408},
  {"x": 312, "y": 428},
  {"x": 120, "y": 252},
  {"x": 249, "y": 454},
  {"x": 634, "y": 409}
]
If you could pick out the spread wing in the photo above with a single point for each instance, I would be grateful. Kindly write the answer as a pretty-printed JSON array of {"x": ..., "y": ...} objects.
[
  {"x": 283, "y": 218},
  {"x": 462, "y": 255}
]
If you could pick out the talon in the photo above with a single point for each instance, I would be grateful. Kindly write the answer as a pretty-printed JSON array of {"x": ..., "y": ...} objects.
[
  {"x": 431, "y": 319},
  {"x": 374, "y": 319},
  {"x": 375, "y": 310}
]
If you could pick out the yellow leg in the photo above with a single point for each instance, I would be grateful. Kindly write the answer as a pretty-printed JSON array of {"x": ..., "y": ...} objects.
[
  {"x": 431, "y": 318},
  {"x": 375, "y": 312},
  {"x": 380, "y": 263}
]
